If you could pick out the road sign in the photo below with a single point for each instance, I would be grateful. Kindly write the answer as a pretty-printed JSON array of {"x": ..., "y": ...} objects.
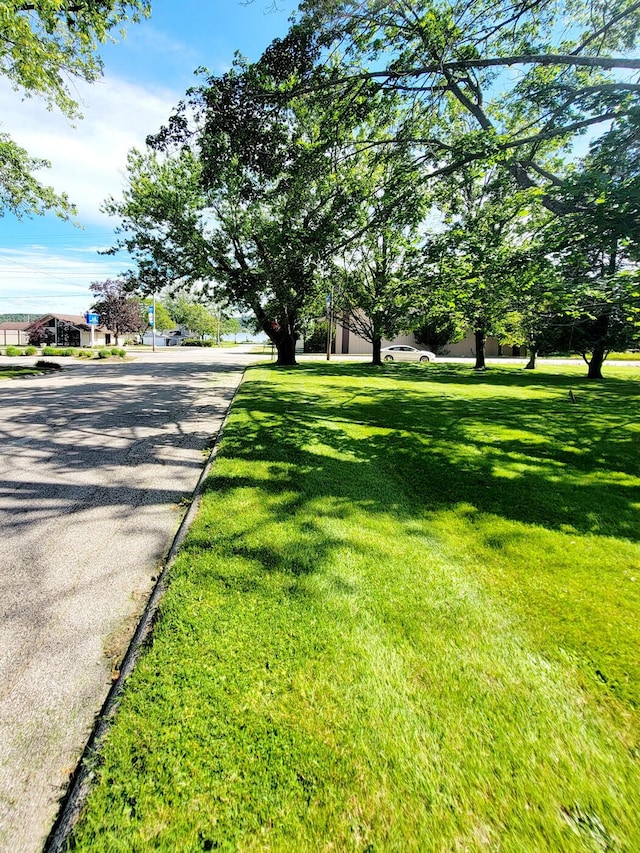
[{"x": 93, "y": 319}]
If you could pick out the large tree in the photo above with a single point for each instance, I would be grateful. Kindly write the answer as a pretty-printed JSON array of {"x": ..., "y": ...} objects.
[
  {"x": 597, "y": 244},
  {"x": 536, "y": 300},
  {"x": 249, "y": 201},
  {"x": 44, "y": 45},
  {"x": 378, "y": 285},
  {"x": 504, "y": 85},
  {"x": 377, "y": 275},
  {"x": 471, "y": 263},
  {"x": 189, "y": 312}
]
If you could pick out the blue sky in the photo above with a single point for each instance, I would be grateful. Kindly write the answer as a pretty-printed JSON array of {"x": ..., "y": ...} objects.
[{"x": 48, "y": 265}]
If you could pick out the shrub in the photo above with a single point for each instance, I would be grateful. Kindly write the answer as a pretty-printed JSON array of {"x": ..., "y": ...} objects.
[
  {"x": 316, "y": 338},
  {"x": 47, "y": 365},
  {"x": 31, "y": 350},
  {"x": 104, "y": 353},
  {"x": 13, "y": 351},
  {"x": 194, "y": 342},
  {"x": 69, "y": 351},
  {"x": 85, "y": 353},
  {"x": 119, "y": 351}
]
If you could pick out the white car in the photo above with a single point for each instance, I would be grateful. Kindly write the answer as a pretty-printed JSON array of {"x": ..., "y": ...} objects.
[{"x": 402, "y": 352}]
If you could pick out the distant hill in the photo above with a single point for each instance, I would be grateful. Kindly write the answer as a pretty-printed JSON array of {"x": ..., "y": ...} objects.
[{"x": 19, "y": 318}]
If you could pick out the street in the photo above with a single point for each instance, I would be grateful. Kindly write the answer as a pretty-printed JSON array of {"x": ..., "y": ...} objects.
[{"x": 96, "y": 464}]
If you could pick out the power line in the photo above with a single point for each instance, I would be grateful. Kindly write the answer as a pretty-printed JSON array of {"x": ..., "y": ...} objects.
[
  {"x": 21, "y": 297},
  {"x": 44, "y": 271}
]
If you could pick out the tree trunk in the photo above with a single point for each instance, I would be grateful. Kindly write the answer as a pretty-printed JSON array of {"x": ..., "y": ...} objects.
[
  {"x": 597, "y": 359},
  {"x": 599, "y": 352},
  {"x": 531, "y": 364},
  {"x": 286, "y": 348},
  {"x": 281, "y": 335},
  {"x": 377, "y": 346},
  {"x": 480, "y": 342}
]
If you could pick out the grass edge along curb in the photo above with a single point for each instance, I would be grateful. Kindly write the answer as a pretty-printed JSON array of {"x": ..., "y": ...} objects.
[{"x": 83, "y": 776}]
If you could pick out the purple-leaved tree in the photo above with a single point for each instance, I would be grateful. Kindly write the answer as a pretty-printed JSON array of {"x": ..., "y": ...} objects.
[{"x": 119, "y": 311}]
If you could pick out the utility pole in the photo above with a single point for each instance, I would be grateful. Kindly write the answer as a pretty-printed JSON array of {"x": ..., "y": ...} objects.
[{"x": 330, "y": 322}]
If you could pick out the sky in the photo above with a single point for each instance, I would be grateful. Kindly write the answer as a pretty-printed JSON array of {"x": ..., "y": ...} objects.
[{"x": 47, "y": 265}]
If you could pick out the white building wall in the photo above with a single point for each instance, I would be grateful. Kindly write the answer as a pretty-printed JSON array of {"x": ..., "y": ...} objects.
[
  {"x": 348, "y": 342},
  {"x": 13, "y": 337}
]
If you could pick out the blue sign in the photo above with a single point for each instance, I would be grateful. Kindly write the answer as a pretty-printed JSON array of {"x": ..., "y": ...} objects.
[{"x": 93, "y": 319}]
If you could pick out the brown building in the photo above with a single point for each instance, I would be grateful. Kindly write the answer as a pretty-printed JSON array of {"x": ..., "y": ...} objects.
[{"x": 72, "y": 330}]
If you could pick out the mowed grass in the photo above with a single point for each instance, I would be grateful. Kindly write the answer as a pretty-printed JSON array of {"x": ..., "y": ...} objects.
[
  {"x": 17, "y": 372},
  {"x": 406, "y": 619}
]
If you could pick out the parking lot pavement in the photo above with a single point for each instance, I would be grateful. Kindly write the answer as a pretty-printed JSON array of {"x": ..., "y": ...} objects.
[{"x": 95, "y": 465}]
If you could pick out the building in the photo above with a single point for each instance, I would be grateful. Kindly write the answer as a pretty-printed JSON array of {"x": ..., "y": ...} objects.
[
  {"x": 72, "y": 330},
  {"x": 172, "y": 338},
  {"x": 14, "y": 333},
  {"x": 349, "y": 343}
]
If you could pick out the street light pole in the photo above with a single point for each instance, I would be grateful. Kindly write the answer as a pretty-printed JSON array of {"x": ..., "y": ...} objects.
[{"x": 153, "y": 322}]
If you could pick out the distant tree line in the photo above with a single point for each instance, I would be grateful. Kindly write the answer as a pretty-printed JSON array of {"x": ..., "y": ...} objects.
[{"x": 17, "y": 318}]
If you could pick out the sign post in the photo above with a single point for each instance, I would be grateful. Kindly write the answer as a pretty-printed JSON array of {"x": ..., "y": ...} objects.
[
  {"x": 151, "y": 313},
  {"x": 92, "y": 321}
]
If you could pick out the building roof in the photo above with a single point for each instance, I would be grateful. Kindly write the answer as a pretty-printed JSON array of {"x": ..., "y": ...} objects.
[
  {"x": 77, "y": 320},
  {"x": 14, "y": 326},
  {"x": 74, "y": 319}
]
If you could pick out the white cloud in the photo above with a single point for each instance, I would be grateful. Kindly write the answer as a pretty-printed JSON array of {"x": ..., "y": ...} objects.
[
  {"x": 45, "y": 280},
  {"x": 88, "y": 160}
]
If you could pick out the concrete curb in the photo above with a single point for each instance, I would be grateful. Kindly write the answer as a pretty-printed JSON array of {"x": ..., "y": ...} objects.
[{"x": 84, "y": 774}]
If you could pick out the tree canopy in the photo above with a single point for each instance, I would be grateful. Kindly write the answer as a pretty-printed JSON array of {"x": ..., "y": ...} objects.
[
  {"x": 251, "y": 200},
  {"x": 527, "y": 77},
  {"x": 118, "y": 310},
  {"x": 43, "y": 46}
]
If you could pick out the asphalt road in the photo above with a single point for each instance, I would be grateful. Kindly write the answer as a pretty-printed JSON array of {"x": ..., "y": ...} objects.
[{"x": 95, "y": 464}]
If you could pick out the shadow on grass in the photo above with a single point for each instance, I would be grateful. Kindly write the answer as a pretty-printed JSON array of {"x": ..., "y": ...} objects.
[
  {"x": 547, "y": 461},
  {"x": 356, "y": 444}
]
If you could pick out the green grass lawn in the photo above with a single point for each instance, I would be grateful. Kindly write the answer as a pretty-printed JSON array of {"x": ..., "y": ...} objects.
[
  {"x": 406, "y": 619},
  {"x": 7, "y": 372}
]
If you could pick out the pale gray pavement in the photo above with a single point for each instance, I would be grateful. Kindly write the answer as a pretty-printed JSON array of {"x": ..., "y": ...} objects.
[{"x": 94, "y": 465}]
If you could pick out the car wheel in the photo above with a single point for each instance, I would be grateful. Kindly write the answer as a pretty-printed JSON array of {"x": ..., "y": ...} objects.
[
  {"x": 424, "y": 358},
  {"x": 388, "y": 358}
]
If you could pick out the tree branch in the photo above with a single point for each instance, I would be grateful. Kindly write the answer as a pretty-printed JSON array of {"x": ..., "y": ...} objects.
[
  {"x": 607, "y": 62},
  {"x": 606, "y": 27}
]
